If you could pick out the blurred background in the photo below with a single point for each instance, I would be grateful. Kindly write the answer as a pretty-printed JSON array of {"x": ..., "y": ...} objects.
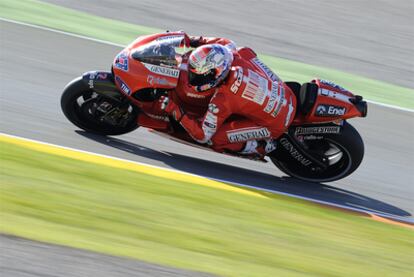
[{"x": 372, "y": 38}]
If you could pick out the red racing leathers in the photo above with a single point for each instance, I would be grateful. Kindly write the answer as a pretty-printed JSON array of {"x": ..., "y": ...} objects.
[{"x": 251, "y": 104}]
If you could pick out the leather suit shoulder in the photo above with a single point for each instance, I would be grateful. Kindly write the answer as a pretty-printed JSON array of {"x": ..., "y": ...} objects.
[
  {"x": 246, "y": 53},
  {"x": 234, "y": 81},
  {"x": 235, "y": 73}
]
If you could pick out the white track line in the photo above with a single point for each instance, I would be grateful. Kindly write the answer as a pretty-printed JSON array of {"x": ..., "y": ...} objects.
[
  {"x": 393, "y": 217},
  {"x": 389, "y": 106},
  {"x": 122, "y": 46},
  {"x": 61, "y": 32}
]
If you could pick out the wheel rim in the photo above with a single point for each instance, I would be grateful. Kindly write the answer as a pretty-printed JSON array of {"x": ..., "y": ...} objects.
[
  {"x": 93, "y": 108},
  {"x": 339, "y": 162}
]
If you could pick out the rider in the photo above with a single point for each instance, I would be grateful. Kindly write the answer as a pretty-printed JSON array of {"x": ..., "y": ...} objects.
[{"x": 248, "y": 105}]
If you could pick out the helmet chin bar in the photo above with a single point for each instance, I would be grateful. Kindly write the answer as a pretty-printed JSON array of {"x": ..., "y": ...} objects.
[
  {"x": 205, "y": 87},
  {"x": 201, "y": 79},
  {"x": 215, "y": 83}
]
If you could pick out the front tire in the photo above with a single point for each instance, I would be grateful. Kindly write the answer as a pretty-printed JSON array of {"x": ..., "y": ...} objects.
[
  {"x": 95, "y": 112},
  {"x": 344, "y": 151}
]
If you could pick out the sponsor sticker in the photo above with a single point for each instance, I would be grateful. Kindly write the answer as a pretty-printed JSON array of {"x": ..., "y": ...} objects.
[
  {"x": 241, "y": 135},
  {"x": 329, "y": 110},
  {"x": 162, "y": 70},
  {"x": 294, "y": 153},
  {"x": 121, "y": 61},
  {"x": 213, "y": 108},
  {"x": 269, "y": 73},
  {"x": 256, "y": 88},
  {"x": 274, "y": 97},
  {"x": 195, "y": 95},
  {"x": 153, "y": 81},
  {"x": 102, "y": 76},
  {"x": 171, "y": 37},
  {"x": 280, "y": 103},
  {"x": 326, "y": 92},
  {"x": 98, "y": 76},
  {"x": 123, "y": 86},
  {"x": 94, "y": 76},
  {"x": 209, "y": 125},
  {"x": 290, "y": 112},
  {"x": 318, "y": 130},
  {"x": 90, "y": 83},
  {"x": 239, "y": 79},
  {"x": 334, "y": 94},
  {"x": 332, "y": 84},
  {"x": 158, "y": 117}
]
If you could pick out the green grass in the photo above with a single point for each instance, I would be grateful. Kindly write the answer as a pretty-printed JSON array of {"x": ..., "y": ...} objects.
[
  {"x": 59, "y": 200},
  {"x": 57, "y": 17}
]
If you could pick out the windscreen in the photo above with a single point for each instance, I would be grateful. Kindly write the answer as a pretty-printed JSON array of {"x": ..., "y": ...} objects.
[{"x": 163, "y": 51}]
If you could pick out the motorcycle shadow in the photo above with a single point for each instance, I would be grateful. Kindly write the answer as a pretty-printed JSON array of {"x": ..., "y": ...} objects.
[{"x": 251, "y": 178}]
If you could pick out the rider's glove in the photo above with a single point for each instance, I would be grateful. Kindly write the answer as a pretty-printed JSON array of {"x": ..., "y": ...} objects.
[
  {"x": 173, "y": 109},
  {"x": 195, "y": 41}
]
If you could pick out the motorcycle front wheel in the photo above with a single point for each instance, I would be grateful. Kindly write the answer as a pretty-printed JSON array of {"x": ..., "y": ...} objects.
[{"x": 95, "y": 112}]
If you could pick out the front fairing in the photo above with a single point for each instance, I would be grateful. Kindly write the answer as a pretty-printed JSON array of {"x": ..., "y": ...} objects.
[{"x": 151, "y": 62}]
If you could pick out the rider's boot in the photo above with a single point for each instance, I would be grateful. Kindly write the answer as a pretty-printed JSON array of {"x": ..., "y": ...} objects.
[{"x": 259, "y": 147}]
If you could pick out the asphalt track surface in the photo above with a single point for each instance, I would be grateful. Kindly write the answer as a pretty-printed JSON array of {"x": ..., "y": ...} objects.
[
  {"x": 36, "y": 64},
  {"x": 25, "y": 258}
]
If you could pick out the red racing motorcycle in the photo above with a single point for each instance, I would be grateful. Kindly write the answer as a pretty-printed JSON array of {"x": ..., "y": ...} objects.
[{"x": 319, "y": 146}]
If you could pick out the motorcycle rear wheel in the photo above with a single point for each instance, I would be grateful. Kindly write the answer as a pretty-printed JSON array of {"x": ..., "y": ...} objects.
[
  {"x": 345, "y": 152},
  {"x": 86, "y": 109}
]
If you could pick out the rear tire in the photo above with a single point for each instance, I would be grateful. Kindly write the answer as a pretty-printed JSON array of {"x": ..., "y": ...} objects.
[
  {"x": 79, "y": 104},
  {"x": 346, "y": 150}
]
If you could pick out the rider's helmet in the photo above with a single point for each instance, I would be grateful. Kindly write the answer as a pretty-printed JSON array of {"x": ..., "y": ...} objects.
[{"x": 208, "y": 66}]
